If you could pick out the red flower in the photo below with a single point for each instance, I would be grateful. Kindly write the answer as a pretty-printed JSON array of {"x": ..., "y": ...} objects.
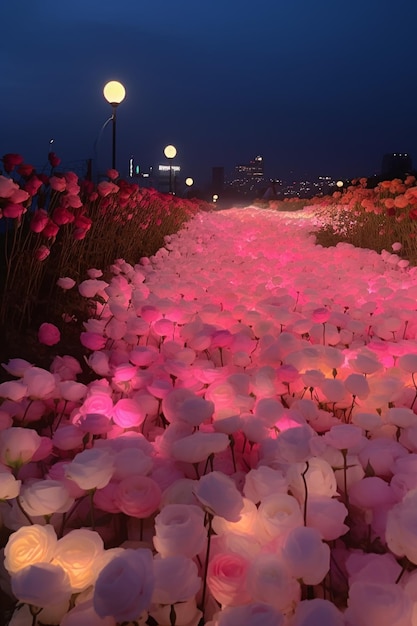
[
  {"x": 62, "y": 216},
  {"x": 51, "y": 229},
  {"x": 39, "y": 221},
  {"x": 25, "y": 170},
  {"x": 32, "y": 186},
  {"x": 10, "y": 161},
  {"x": 53, "y": 159}
]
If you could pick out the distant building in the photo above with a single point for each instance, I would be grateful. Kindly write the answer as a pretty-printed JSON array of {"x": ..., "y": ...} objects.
[
  {"x": 249, "y": 177},
  {"x": 396, "y": 164}
]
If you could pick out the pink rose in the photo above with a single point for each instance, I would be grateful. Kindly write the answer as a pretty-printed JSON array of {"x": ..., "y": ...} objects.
[
  {"x": 227, "y": 579},
  {"x": 138, "y": 496},
  {"x": 49, "y": 334},
  {"x": 125, "y": 586},
  {"x": 93, "y": 341},
  {"x": 128, "y": 413}
]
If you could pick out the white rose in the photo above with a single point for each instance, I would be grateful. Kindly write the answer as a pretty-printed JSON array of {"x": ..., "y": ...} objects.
[
  {"x": 29, "y": 545},
  {"x": 79, "y": 553},
  {"x": 41, "y": 584},
  {"x": 91, "y": 469},
  {"x": 45, "y": 497}
]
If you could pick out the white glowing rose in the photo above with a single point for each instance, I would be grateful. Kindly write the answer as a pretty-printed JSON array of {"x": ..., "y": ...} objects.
[
  {"x": 29, "y": 545},
  {"x": 80, "y": 554}
]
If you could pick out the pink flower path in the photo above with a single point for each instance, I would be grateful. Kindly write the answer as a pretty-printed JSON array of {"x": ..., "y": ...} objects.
[{"x": 248, "y": 443}]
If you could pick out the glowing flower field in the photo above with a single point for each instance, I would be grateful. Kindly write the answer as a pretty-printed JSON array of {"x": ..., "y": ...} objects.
[{"x": 245, "y": 451}]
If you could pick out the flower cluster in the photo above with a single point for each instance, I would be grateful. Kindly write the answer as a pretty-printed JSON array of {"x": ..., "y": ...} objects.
[
  {"x": 244, "y": 451},
  {"x": 45, "y": 220}
]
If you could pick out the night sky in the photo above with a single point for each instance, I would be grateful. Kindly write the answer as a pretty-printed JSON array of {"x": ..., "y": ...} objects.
[{"x": 317, "y": 87}]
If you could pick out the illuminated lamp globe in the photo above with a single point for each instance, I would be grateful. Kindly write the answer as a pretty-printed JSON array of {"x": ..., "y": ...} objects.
[
  {"x": 189, "y": 182},
  {"x": 215, "y": 197},
  {"x": 114, "y": 92},
  {"x": 170, "y": 151},
  {"x": 339, "y": 184}
]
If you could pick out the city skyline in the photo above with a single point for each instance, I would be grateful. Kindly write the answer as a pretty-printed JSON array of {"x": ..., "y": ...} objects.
[{"x": 314, "y": 88}]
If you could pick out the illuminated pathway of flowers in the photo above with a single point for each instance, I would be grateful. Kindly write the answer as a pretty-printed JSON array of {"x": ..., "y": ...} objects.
[{"x": 246, "y": 450}]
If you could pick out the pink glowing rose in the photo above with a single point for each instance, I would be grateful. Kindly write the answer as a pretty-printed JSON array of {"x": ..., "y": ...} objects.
[
  {"x": 128, "y": 413},
  {"x": 125, "y": 586},
  {"x": 138, "y": 496},
  {"x": 227, "y": 579},
  {"x": 49, "y": 334},
  {"x": 179, "y": 529},
  {"x": 219, "y": 495}
]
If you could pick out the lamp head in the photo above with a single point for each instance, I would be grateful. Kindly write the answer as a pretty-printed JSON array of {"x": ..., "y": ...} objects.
[
  {"x": 170, "y": 151},
  {"x": 114, "y": 92}
]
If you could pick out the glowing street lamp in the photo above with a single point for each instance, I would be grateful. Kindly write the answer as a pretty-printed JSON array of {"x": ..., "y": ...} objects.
[
  {"x": 339, "y": 185},
  {"x": 189, "y": 182},
  {"x": 170, "y": 152},
  {"x": 114, "y": 93}
]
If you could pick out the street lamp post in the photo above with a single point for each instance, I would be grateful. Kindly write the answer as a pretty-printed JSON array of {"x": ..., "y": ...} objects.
[
  {"x": 114, "y": 92},
  {"x": 189, "y": 182},
  {"x": 170, "y": 152}
]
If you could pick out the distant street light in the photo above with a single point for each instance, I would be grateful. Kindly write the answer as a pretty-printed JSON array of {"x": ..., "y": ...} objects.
[
  {"x": 339, "y": 184},
  {"x": 114, "y": 92},
  {"x": 189, "y": 182},
  {"x": 170, "y": 152}
]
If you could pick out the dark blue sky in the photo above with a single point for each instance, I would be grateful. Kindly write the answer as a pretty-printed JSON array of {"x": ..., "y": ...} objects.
[{"x": 314, "y": 86}]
